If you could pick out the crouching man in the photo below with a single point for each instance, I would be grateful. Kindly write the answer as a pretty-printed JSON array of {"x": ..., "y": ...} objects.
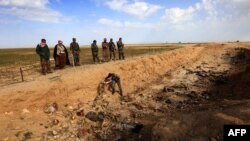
[{"x": 113, "y": 79}]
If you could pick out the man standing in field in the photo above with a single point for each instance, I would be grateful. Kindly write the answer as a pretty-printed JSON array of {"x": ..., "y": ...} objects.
[
  {"x": 61, "y": 55},
  {"x": 75, "y": 50},
  {"x": 94, "y": 49},
  {"x": 105, "y": 46},
  {"x": 42, "y": 50},
  {"x": 120, "y": 47},
  {"x": 112, "y": 49}
]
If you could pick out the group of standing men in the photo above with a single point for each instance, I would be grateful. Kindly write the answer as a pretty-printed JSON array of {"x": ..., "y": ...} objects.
[
  {"x": 61, "y": 55},
  {"x": 108, "y": 50}
]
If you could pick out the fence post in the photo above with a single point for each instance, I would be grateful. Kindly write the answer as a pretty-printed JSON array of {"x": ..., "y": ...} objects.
[{"x": 21, "y": 71}]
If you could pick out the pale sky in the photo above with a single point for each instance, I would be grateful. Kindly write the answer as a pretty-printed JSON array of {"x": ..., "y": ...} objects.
[{"x": 24, "y": 22}]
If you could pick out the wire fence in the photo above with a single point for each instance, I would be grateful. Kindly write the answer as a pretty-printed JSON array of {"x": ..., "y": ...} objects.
[{"x": 14, "y": 74}]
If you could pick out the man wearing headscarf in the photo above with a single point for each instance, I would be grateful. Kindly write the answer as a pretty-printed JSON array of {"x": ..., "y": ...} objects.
[
  {"x": 42, "y": 50},
  {"x": 61, "y": 55}
]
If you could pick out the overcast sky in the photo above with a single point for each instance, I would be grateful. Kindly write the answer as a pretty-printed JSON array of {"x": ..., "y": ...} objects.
[{"x": 24, "y": 22}]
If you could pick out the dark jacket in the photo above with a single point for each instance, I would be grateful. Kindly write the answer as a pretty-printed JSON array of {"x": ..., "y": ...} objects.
[
  {"x": 94, "y": 47},
  {"x": 120, "y": 46},
  {"x": 74, "y": 46},
  {"x": 43, "y": 52},
  {"x": 66, "y": 52},
  {"x": 112, "y": 46},
  {"x": 114, "y": 77}
]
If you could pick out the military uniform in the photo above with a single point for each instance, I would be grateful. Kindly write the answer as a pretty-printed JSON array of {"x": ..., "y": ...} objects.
[
  {"x": 112, "y": 50},
  {"x": 94, "y": 49},
  {"x": 120, "y": 47},
  {"x": 105, "y": 50},
  {"x": 75, "y": 49},
  {"x": 115, "y": 79},
  {"x": 111, "y": 79},
  {"x": 44, "y": 53}
]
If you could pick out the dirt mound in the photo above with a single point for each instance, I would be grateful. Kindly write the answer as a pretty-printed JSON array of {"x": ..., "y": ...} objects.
[{"x": 180, "y": 85}]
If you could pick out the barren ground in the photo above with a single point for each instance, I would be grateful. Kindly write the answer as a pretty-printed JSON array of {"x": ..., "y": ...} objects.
[{"x": 185, "y": 94}]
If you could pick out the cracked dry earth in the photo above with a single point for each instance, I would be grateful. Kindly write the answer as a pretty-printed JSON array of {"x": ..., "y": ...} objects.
[{"x": 186, "y": 94}]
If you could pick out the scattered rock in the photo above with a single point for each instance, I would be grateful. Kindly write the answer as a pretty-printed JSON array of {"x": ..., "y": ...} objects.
[
  {"x": 168, "y": 89},
  {"x": 25, "y": 111},
  {"x": 51, "y": 108},
  {"x": 54, "y": 132},
  {"x": 206, "y": 95},
  {"x": 72, "y": 136},
  {"x": 93, "y": 116},
  {"x": 50, "y": 133},
  {"x": 64, "y": 125},
  {"x": 81, "y": 133},
  {"x": 168, "y": 101},
  {"x": 101, "y": 116},
  {"x": 80, "y": 113},
  {"x": 134, "y": 128},
  {"x": 9, "y": 113},
  {"x": 138, "y": 106},
  {"x": 27, "y": 135},
  {"x": 55, "y": 121}
]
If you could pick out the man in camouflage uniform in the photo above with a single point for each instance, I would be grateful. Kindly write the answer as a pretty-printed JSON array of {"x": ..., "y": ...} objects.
[
  {"x": 75, "y": 50},
  {"x": 120, "y": 47},
  {"x": 112, "y": 49},
  {"x": 105, "y": 46},
  {"x": 94, "y": 49},
  {"x": 43, "y": 51},
  {"x": 109, "y": 81},
  {"x": 113, "y": 79}
]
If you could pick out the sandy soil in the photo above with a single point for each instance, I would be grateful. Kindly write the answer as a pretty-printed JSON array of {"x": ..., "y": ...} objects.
[{"x": 185, "y": 94}]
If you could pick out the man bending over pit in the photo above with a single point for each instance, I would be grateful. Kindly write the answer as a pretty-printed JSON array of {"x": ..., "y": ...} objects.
[{"x": 109, "y": 81}]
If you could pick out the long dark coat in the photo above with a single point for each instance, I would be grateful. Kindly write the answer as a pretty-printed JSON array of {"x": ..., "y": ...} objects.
[{"x": 67, "y": 55}]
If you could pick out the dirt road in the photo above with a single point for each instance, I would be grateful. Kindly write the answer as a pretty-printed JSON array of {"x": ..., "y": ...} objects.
[{"x": 186, "y": 94}]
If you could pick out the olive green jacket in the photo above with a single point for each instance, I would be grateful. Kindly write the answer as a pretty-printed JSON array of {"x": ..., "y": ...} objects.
[{"x": 43, "y": 52}]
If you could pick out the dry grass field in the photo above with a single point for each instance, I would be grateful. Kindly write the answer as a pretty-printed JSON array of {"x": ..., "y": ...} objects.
[{"x": 28, "y": 56}]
